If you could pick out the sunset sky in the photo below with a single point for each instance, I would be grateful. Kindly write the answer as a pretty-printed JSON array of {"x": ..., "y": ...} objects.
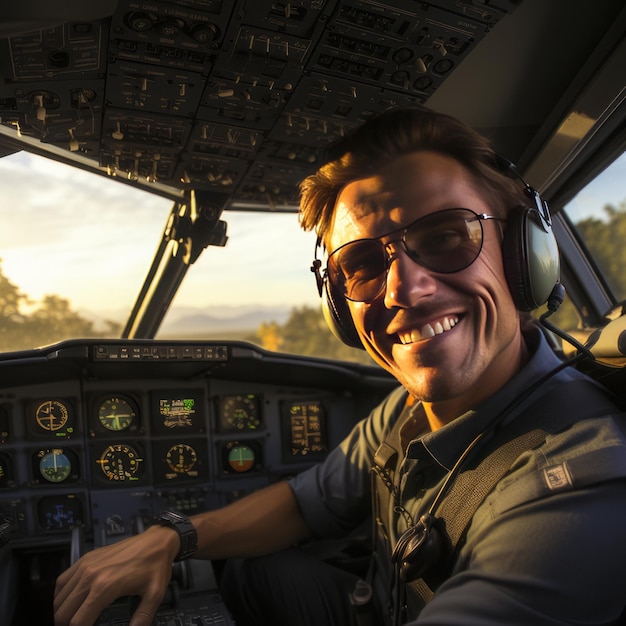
[{"x": 91, "y": 241}]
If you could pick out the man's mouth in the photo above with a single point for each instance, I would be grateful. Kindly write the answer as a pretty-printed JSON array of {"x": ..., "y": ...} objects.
[{"x": 428, "y": 330}]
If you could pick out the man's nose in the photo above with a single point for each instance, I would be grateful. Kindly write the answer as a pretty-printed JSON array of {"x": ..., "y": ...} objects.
[{"x": 407, "y": 282}]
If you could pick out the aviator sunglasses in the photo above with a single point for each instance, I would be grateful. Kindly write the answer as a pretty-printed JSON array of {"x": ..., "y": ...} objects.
[{"x": 447, "y": 241}]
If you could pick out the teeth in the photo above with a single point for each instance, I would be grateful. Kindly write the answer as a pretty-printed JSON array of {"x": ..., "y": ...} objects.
[{"x": 429, "y": 330}]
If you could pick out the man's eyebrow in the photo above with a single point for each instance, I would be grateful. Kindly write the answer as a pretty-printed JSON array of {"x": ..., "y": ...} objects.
[{"x": 377, "y": 200}]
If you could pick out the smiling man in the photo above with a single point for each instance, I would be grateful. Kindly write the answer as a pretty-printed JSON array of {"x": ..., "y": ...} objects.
[
  {"x": 435, "y": 252},
  {"x": 451, "y": 339}
]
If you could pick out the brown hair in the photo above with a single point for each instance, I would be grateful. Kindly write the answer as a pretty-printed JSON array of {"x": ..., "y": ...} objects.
[{"x": 390, "y": 135}]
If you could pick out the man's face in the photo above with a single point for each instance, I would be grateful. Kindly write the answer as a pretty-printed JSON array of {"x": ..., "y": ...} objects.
[{"x": 477, "y": 345}]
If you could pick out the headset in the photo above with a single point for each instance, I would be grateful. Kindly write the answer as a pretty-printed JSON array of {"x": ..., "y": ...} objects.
[{"x": 529, "y": 250}]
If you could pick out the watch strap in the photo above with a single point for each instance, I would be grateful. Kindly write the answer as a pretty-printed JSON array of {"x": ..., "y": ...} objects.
[{"x": 186, "y": 532}]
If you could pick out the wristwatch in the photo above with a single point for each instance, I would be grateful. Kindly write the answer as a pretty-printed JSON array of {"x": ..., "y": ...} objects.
[{"x": 185, "y": 529}]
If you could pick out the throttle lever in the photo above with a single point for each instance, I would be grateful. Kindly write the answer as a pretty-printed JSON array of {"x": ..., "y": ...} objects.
[{"x": 77, "y": 544}]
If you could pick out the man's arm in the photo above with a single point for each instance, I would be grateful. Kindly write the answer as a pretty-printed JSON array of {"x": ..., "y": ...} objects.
[{"x": 263, "y": 522}]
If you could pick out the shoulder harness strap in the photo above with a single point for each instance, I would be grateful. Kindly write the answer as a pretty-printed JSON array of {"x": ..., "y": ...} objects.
[{"x": 472, "y": 485}]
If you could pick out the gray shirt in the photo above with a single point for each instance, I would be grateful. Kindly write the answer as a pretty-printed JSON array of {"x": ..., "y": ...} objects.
[{"x": 547, "y": 545}]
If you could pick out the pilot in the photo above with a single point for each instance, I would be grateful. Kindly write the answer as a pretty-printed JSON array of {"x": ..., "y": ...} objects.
[{"x": 492, "y": 479}]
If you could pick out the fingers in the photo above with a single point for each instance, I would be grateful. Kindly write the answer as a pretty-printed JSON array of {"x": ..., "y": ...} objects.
[
  {"x": 76, "y": 602},
  {"x": 137, "y": 566},
  {"x": 80, "y": 598},
  {"x": 146, "y": 610}
]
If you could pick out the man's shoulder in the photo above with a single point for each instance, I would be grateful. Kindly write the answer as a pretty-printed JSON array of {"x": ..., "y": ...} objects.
[
  {"x": 589, "y": 452},
  {"x": 572, "y": 396}
]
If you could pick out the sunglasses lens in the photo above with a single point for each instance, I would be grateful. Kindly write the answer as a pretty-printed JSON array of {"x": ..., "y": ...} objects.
[
  {"x": 445, "y": 242},
  {"x": 358, "y": 269}
]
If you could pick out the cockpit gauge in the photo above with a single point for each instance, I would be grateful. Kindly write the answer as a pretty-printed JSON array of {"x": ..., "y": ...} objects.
[
  {"x": 178, "y": 411},
  {"x": 52, "y": 415},
  {"x": 304, "y": 434},
  {"x": 121, "y": 463},
  {"x": 241, "y": 456},
  {"x": 55, "y": 466},
  {"x": 117, "y": 413},
  {"x": 181, "y": 458},
  {"x": 179, "y": 461},
  {"x": 61, "y": 512},
  {"x": 239, "y": 413},
  {"x": 51, "y": 418}
]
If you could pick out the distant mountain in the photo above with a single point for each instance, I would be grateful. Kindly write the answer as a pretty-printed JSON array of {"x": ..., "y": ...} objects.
[
  {"x": 199, "y": 321},
  {"x": 204, "y": 321}
]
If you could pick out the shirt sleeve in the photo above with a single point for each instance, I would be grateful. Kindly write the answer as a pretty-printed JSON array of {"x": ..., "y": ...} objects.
[{"x": 335, "y": 496}]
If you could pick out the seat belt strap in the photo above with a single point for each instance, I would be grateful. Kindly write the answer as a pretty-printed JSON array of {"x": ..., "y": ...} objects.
[{"x": 472, "y": 485}]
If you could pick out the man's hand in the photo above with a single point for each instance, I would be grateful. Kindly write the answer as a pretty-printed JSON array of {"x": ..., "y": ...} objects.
[{"x": 138, "y": 566}]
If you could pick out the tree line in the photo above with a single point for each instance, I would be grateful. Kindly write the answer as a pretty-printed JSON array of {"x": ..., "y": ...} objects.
[{"x": 27, "y": 324}]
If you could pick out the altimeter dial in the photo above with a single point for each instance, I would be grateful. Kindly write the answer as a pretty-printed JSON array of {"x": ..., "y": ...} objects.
[{"x": 121, "y": 463}]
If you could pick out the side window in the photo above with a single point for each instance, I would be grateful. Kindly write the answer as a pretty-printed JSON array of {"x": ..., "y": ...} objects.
[{"x": 598, "y": 214}]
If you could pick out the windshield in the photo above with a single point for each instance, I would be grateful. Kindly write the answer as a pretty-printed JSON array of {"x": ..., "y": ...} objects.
[{"x": 75, "y": 249}]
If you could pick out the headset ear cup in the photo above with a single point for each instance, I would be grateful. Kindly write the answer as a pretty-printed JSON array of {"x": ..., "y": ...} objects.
[
  {"x": 338, "y": 318},
  {"x": 531, "y": 259}
]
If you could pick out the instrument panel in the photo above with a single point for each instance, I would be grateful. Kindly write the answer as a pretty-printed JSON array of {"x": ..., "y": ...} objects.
[
  {"x": 103, "y": 444},
  {"x": 97, "y": 437},
  {"x": 66, "y": 453}
]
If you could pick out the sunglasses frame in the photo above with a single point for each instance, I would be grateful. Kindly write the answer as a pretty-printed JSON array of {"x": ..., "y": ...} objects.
[{"x": 480, "y": 217}]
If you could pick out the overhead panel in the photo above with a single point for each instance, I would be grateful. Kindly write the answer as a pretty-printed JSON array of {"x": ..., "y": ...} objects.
[{"x": 238, "y": 97}]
